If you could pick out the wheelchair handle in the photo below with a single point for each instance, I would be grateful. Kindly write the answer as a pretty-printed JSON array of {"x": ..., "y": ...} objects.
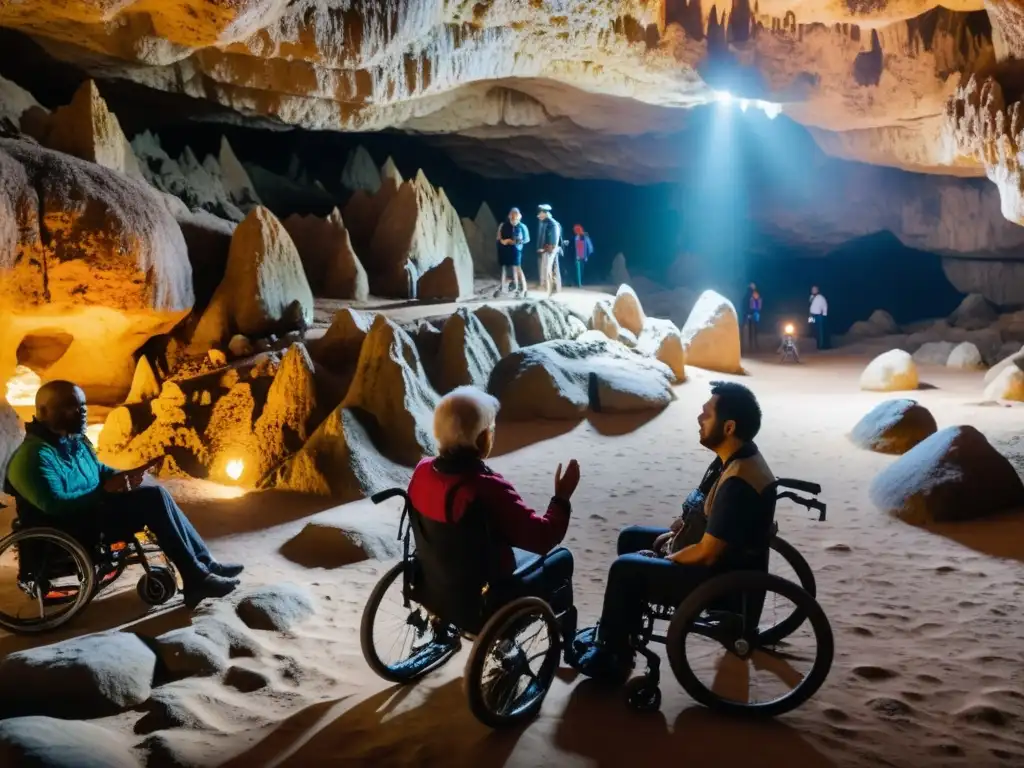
[
  {"x": 382, "y": 496},
  {"x": 798, "y": 485},
  {"x": 820, "y": 506}
]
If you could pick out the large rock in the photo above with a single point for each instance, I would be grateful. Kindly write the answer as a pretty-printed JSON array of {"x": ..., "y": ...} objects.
[
  {"x": 88, "y": 130},
  {"x": 467, "y": 353},
  {"x": 974, "y": 313},
  {"x": 44, "y": 742},
  {"x": 711, "y": 335},
  {"x": 1015, "y": 360},
  {"x": 891, "y": 371},
  {"x": 235, "y": 180},
  {"x": 498, "y": 323},
  {"x": 363, "y": 210},
  {"x": 1008, "y": 385},
  {"x": 264, "y": 289},
  {"x": 603, "y": 319},
  {"x": 185, "y": 653},
  {"x": 276, "y": 608},
  {"x": 360, "y": 172},
  {"x": 334, "y": 542},
  {"x": 893, "y": 426},
  {"x": 82, "y": 292},
  {"x": 332, "y": 267},
  {"x": 954, "y": 475},
  {"x": 563, "y": 379},
  {"x": 627, "y": 310},
  {"x": 82, "y": 678},
  {"x": 14, "y": 102},
  {"x": 339, "y": 348},
  {"x": 661, "y": 340},
  {"x": 419, "y": 232},
  {"x": 290, "y": 412},
  {"x": 933, "y": 352},
  {"x": 546, "y": 320},
  {"x": 208, "y": 240},
  {"x": 965, "y": 356},
  {"x": 481, "y": 237}
]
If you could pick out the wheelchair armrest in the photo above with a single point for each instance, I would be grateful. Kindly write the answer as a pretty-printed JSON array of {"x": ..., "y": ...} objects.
[
  {"x": 382, "y": 496},
  {"x": 798, "y": 485},
  {"x": 803, "y": 501}
]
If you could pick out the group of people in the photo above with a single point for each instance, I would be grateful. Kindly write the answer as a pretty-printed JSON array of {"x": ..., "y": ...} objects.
[
  {"x": 816, "y": 318},
  {"x": 513, "y": 235}
]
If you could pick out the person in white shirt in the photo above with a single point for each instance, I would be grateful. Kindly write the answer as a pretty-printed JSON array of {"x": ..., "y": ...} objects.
[{"x": 818, "y": 315}]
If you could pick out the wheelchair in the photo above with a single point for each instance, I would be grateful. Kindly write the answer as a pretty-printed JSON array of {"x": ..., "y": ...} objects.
[
  {"x": 728, "y": 610},
  {"x": 517, "y": 642},
  {"x": 59, "y": 574}
]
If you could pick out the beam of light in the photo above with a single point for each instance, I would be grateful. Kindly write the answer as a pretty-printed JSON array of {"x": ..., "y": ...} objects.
[
  {"x": 768, "y": 108},
  {"x": 723, "y": 97}
]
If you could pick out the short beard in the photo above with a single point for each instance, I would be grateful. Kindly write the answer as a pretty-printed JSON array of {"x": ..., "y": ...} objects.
[{"x": 715, "y": 439}]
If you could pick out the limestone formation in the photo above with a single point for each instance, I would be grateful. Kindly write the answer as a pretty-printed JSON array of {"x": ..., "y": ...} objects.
[
  {"x": 564, "y": 379},
  {"x": 264, "y": 289},
  {"x": 481, "y": 237},
  {"x": 14, "y": 102},
  {"x": 339, "y": 348},
  {"x": 332, "y": 267},
  {"x": 145, "y": 384},
  {"x": 1008, "y": 385},
  {"x": 711, "y": 335},
  {"x": 467, "y": 352},
  {"x": 1016, "y": 359},
  {"x": 627, "y": 310},
  {"x": 360, "y": 172},
  {"x": 952, "y": 476},
  {"x": 420, "y": 233},
  {"x": 973, "y": 314},
  {"x": 498, "y": 323},
  {"x": 235, "y": 180},
  {"x": 619, "y": 274},
  {"x": 604, "y": 320},
  {"x": 892, "y": 371},
  {"x": 363, "y": 210},
  {"x": 965, "y": 356},
  {"x": 83, "y": 291},
  {"x": 661, "y": 339},
  {"x": 289, "y": 414},
  {"x": 88, "y": 130},
  {"x": 894, "y": 426},
  {"x": 545, "y": 320}
]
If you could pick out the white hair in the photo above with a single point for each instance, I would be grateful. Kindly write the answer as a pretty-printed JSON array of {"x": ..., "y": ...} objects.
[{"x": 462, "y": 416}]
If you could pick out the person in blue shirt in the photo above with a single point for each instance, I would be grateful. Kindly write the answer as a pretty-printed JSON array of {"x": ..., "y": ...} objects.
[
  {"x": 583, "y": 249},
  {"x": 512, "y": 236},
  {"x": 549, "y": 248}
]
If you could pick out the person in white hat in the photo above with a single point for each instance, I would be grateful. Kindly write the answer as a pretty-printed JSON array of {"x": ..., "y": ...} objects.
[{"x": 549, "y": 248}]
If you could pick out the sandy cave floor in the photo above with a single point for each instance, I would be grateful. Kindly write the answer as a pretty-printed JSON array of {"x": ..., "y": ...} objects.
[{"x": 929, "y": 625}]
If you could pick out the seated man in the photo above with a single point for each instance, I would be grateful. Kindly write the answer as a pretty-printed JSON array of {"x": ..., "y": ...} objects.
[
  {"x": 56, "y": 475},
  {"x": 447, "y": 487},
  {"x": 737, "y": 536}
]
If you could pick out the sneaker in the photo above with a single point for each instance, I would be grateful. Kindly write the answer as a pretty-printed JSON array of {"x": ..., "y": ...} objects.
[
  {"x": 604, "y": 665},
  {"x": 211, "y": 586}
]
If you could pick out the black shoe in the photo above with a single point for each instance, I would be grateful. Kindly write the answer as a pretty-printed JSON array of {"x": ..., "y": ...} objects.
[
  {"x": 211, "y": 586},
  {"x": 604, "y": 665},
  {"x": 226, "y": 570}
]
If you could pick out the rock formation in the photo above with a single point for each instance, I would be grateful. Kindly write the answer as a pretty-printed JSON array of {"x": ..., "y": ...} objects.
[
  {"x": 92, "y": 264},
  {"x": 360, "y": 172},
  {"x": 467, "y": 352},
  {"x": 1007, "y": 385},
  {"x": 893, "y": 371},
  {"x": 363, "y": 210},
  {"x": 332, "y": 268},
  {"x": 711, "y": 335},
  {"x": 965, "y": 356},
  {"x": 627, "y": 310},
  {"x": 893, "y": 426},
  {"x": 661, "y": 340}
]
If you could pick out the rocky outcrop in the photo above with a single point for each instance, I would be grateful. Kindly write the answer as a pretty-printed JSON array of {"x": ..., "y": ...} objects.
[
  {"x": 711, "y": 335},
  {"x": 14, "y": 102},
  {"x": 420, "y": 234},
  {"x": 92, "y": 264},
  {"x": 360, "y": 172},
  {"x": 661, "y": 340},
  {"x": 363, "y": 210},
  {"x": 264, "y": 289},
  {"x": 467, "y": 353},
  {"x": 893, "y": 426},
  {"x": 332, "y": 268}
]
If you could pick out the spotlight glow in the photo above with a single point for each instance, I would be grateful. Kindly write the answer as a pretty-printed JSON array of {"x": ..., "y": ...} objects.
[
  {"x": 723, "y": 96},
  {"x": 234, "y": 468},
  {"x": 770, "y": 110},
  {"x": 788, "y": 329}
]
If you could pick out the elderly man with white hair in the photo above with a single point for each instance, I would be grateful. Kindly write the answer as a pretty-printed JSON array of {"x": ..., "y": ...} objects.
[{"x": 445, "y": 488}]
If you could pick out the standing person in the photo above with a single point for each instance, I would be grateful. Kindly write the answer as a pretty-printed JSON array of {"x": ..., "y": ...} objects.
[
  {"x": 818, "y": 317},
  {"x": 583, "y": 249},
  {"x": 549, "y": 248},
  {"x": 512, "y": 236},
  {"x": 753, "y": 318}
]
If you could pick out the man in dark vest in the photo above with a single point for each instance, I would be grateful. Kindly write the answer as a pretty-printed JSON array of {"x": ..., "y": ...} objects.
[
  {"x": 512, "y": 236},
  {"x": 549, "y": 248}
]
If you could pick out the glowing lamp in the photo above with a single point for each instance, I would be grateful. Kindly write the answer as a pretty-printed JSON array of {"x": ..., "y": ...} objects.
[
  {"x": 788, "y": 329},
  {"x": 234, "y": 468}
]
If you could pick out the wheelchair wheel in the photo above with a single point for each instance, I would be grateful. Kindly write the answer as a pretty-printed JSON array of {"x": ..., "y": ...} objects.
[
  {"x": 157, "y": 586},
  {"x": 719, "y": 656},
  {"x": 54, "y": 580},
  {"x": 642, "y": 695},
  {"x": 513, "y": 662},
  {"x": 788, "y": 621},
  {"x": 415, "y": 641}
]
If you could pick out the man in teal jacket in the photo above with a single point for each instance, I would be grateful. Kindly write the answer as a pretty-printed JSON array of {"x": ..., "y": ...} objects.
[{"x": 58, "y": 480}]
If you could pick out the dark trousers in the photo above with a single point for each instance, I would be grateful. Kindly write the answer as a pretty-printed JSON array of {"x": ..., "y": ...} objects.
[
  {"x": 820, "y": 331},
  {"x": 548, "y": 577},
  {"x": 124, "y": 514},
  {"x": 752, "y": 327},
  {"x": 635, "y": 580},
  {"x": 579, "y": 273}
]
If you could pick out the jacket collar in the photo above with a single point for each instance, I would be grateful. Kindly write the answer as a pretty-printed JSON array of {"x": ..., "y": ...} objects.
[
  {"x": 460, "y": 461},
  {"x": 39, "y": 430}
]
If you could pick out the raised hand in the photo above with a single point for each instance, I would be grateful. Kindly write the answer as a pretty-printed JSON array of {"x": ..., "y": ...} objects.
[{"x": 565, "y": 485}]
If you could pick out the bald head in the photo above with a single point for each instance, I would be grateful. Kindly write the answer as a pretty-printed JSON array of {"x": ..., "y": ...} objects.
[
  {"x": 60, "y": 405},
  {"x": 464, "y": 418}
]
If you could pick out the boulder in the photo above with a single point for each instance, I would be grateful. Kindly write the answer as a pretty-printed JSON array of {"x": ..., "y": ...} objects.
[
  {"x": 951, "y": 476},
  {"x": 44, "y": 742},
  {"x": 661, "y": 340},
  {"x": 332, "y": 267},
  {"x": 884, "y": 322},
  {"x": 966, "y": 357},
  {"x": 335, "y": 543},
  {"x": 276, "y": 608},
  {"x": 540, "y": 321},
  {"x": 185, "y": 653},
  {"x": 563, "y": 379},
  {"x": 894, "y": 426},
  {"x": 339, "y": 348},
  {"x": 974, "y": 313},
  {"x": 619, "y": 273},
  {"x": 240, "y": 346},
  {"x": 711, "y": 335},
  {"x": 360, "y": 172},
  {"x": 235, "y": 180},
  {"x": 498, "y": 323},
  {"x": 891, "y": 371},
  {"x": 82, "y": 292},
  {"x": 880, "y": 323},
  {"x": 1008, "y": 385},
  {"x": 467, "y": 353},
  {"x": 208, "y": 240},
  {"x": 363, "y": 210},
  {"x": 82, "y": 678},
  {"x": 86, "y": 129},
  {"x": 14, "y": 102},
  {"x": 1016, "y": 359},
  {"x": 933, "y": 352},
  {"x": 145, "y": 384},
  {"x": 290, "y": 411},
  {"x": 11, "y": 434},
  {"x": 627, "y": 310},
  {"x": 604, "y": 320},
  {"x": 419, "y": 233},
  {"x": 264, "y": 288},
  {"x": 988, "y": 341}
]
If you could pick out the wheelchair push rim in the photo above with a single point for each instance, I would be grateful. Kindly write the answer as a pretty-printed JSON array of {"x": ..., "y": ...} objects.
[
  {"x": 60, "y": 576},
  {"x": 513, "y": 663},
  {"x": 745, "y": 663},
  {"x": 394, "y": 628},
  {"x": 789, "y": 622}
]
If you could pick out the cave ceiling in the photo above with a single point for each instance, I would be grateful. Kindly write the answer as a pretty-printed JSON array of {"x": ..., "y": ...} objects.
[{"x": 578, "y": 87}]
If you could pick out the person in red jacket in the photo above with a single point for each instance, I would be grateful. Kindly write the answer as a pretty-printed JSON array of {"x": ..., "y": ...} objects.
[{"x": 445, "y": 487}]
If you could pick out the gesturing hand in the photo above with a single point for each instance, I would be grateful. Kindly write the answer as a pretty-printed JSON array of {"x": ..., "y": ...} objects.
[
  {"x": 566, "y": 484},
  {"x": 118, "y": 483}
]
